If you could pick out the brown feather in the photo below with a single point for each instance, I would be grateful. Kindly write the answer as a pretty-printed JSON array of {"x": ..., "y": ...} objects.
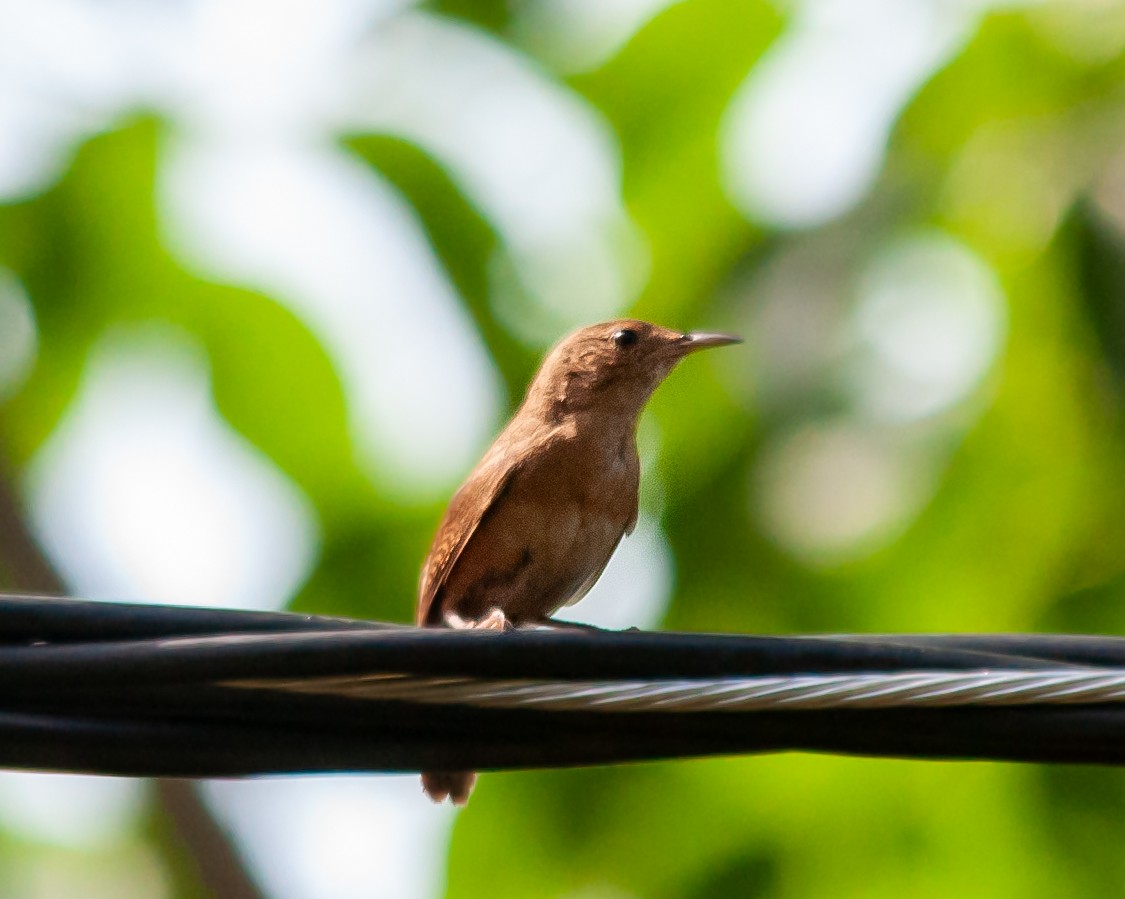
[{"x": 469, "y": 506}]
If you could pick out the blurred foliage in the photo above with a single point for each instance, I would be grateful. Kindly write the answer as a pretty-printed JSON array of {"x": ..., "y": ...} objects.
[
  {"x": 1005, "y": 148},
  {"x": 665, "y": 94},
  {"x": 462, "y": 238}
]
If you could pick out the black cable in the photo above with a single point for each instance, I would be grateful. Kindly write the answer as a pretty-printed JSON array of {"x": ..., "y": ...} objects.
[{"x": 150, "y": 690}]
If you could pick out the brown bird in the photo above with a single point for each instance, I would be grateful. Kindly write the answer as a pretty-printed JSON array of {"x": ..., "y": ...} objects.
[{"x": 536, "y": 521}]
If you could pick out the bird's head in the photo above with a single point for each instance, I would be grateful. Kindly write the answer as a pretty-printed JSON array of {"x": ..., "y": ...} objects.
[{"x": 614, "y": 365}]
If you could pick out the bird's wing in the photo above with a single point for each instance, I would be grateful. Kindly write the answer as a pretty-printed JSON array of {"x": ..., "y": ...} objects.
[{"x": 466, "y": 511}]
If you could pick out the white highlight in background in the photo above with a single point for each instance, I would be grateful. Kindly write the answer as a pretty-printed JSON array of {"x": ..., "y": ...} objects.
[
  {"x": 64, "y": 73},
  {"x": 834, "y": 491},
  {"x": 929, "y": 323},
  {"x": 337, "y": 837},
  {"x": 143, "y": 492},
  {"x": 70, "y": 810},
  {"x": 805, "y": 136}
]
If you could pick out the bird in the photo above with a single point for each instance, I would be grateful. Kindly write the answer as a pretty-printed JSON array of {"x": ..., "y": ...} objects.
[{"x": 536, "y": 521}]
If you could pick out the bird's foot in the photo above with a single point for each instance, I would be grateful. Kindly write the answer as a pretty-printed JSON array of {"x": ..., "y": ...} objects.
[{"x": 495, "y": 620}]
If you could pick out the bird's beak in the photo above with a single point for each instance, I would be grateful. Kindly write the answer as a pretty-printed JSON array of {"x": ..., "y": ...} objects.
[{"x": 699, "y": 340}]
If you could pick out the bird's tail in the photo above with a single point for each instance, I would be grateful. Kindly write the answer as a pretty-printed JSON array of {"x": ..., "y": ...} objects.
[{"x": 457, "y": 785}]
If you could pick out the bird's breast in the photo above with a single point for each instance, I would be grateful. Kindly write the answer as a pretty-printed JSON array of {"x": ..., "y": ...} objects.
[{"x": 549, "y": 535}]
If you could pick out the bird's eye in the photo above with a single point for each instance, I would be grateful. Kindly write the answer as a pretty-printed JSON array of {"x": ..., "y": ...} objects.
[{"x": 625, "y": 337}]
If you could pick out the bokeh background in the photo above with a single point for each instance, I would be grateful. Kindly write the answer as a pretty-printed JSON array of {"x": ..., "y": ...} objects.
[{"x": 273, "y": 273}]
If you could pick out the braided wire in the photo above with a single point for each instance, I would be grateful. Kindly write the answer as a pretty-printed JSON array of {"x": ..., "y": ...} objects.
[{"x": 1053, "y": 686}]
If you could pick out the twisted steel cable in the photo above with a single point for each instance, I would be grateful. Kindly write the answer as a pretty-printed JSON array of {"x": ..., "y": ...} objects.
[
  {"x": 735, "y": 694},
  {"x": 149, "y": 690}
]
